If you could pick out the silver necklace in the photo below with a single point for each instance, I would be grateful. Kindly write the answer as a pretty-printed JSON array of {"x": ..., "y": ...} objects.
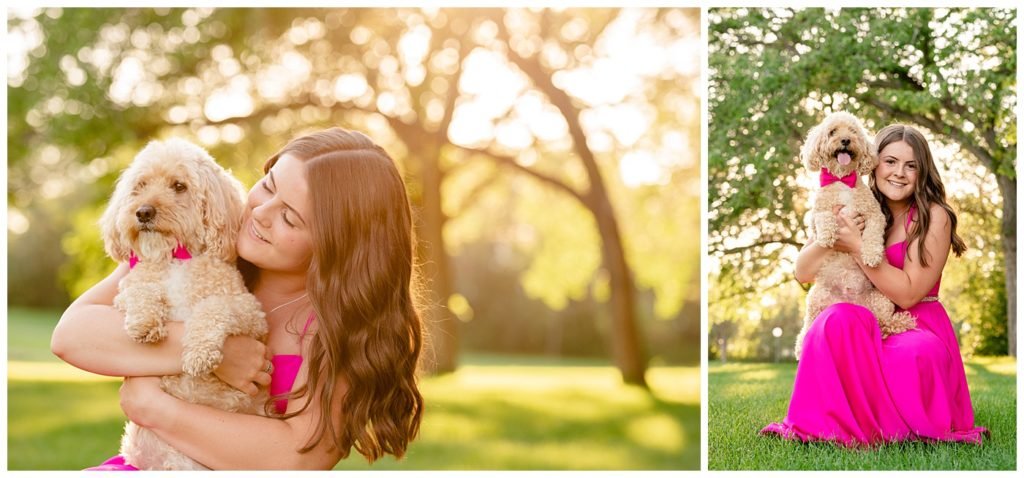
[{"x": 287, "y": 303}]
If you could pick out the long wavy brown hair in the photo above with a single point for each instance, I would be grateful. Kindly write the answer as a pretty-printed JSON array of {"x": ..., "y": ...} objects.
[
  {"x": 369, "y": 332},
  {"x": 928, "y": 188}
]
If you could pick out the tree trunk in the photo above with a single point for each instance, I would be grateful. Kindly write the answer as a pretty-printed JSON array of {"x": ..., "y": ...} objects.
[
  {"x": 1008, "y": 188},
  {"x": 553, "y": 339},
  {"x": 627, "y": 351},
  {"x": 441, "y": 326}
]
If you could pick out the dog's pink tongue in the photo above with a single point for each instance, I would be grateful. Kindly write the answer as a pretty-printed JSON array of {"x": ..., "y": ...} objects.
[{"x": 844, "y": 158}]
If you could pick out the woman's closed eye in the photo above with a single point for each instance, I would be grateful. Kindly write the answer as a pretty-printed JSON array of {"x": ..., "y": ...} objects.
[{"x": 284, "y": 210}]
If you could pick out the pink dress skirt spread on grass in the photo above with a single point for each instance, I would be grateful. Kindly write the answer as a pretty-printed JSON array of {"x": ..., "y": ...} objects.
[{"x": 854, "y": 388}]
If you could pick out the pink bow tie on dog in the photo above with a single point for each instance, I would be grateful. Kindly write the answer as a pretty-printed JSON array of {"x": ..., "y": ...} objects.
[
  {"x": 179, "y": 252},
  {"x": 850, "y": 180}
]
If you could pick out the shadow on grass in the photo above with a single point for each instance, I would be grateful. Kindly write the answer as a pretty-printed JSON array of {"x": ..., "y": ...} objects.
[
  {"x": 74, "y": 425},
  {"x": 988, "y": 377},
  {"x": 572, "y": 430},
  {"x": 496, "y": 413},
  {"x": 994, "y": 396},
  {"x": 47, "y": 432}
]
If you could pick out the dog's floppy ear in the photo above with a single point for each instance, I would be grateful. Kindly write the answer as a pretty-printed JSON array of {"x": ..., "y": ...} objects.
[
  {"x": 870, "y": 161},
  {"x": 222, "y": 206},
  {"x": 114, "y": 242},
  {"x": 809, "y": 151}
]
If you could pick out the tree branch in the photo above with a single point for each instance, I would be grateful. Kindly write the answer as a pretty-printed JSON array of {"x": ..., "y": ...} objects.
[
  {"x": 988, "y": 134},
  {"x": 411, "y": 135},
  {"x": 767, "y": 242},
  {"x": 453, "y": 91},
  {"x": 937, "y": 126},
  {"x": 561, "y": 100},
  {"x": 511, "y": 162},
  {"x": 902, "y": 80},
  {"x": 947, "y": 102},
  {"x": 888, "y": 84},
  {"x": 760, "y": 290},
  {"x": 477, "y": 190}
]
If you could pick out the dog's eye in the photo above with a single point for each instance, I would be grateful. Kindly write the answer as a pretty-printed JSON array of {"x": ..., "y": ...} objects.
[
  {"x": 179, "y": 187},
  {"x": 832, "y": 132}
]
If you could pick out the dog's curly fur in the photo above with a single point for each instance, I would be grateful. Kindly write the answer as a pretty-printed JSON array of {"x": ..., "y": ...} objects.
[
  {"x": 189, "y": 200},
  {"x": 840, "y": 279}
]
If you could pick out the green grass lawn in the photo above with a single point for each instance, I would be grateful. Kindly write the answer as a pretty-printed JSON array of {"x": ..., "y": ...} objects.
[
  {"x": 28, "y": 334},
  {"x": 745, "y": 397},
  {"x": 494, "y": 413}
]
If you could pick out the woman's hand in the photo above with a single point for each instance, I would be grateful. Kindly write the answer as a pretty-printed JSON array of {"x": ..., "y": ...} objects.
[
  {"x": 245, "y": 364},
  {"x": 142, "y": 400},
  {"x": 848, "y": 238},
  {"x": 858, "y": 218}
]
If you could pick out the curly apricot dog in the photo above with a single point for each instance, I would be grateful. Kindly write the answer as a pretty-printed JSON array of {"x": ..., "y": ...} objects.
[
  {"x": 174, "y": 217},
  {"x": 839, "y": 147}
]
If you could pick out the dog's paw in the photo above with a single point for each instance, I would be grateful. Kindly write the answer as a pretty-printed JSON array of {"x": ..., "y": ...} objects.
[
  {"x": 825, "y": 229},
  {"x": 145, "y": 331},
  {"x": 897, "y": 323},
  {"x": 119, "y": 302},
  {"x": 872, "y": 254},
  {"x": 197, "y": 361},
  {"x": 871, "y": 257},
  {"x": 903, "y": 321}
]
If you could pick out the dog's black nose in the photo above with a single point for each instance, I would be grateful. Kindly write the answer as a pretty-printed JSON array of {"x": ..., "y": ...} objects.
[
  {"x": 846, "y": 142},
  {"x": 145, "y": 213}
]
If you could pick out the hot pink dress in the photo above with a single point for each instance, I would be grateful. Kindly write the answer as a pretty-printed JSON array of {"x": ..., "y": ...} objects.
[
  {"x": 854, "y": 388},
  {"x": 282, "y": 377}
]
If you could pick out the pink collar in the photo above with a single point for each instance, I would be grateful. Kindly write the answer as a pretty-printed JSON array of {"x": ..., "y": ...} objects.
[
  {"x": 828, "y": 178},
  {"x": 179, "y": 252}
]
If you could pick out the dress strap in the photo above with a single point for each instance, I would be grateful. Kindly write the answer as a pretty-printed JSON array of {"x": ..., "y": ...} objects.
[
  {"x": 910, "y": 217},
  {"x": 305, "y": 328}
]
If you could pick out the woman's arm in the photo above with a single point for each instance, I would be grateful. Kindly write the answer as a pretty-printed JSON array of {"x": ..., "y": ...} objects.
[
  {"x": 809, "y": 261},
  {"x": 232, "y": 441},
  {"x": 906, "y": 287},
  {"x": 91, "y": 336}
]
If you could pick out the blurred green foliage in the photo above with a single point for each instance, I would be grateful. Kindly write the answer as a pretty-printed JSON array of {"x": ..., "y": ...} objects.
[
  {"x": 97, "y": 84},
  {"x": 774, "y": 73}
]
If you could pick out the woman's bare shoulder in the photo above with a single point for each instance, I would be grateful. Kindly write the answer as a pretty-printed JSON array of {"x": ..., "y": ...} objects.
[{"x": 939, "y": 219}]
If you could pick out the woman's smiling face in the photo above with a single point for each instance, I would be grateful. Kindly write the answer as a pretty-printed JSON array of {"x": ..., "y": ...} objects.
[
  {"x": 896, "y": 174},
  {"x": 276, "y": 234}
]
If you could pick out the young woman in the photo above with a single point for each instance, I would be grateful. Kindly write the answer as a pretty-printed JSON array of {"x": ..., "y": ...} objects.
[
  {"x": 326, "y": 245},
  {"x": 854, "y": 387}
]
